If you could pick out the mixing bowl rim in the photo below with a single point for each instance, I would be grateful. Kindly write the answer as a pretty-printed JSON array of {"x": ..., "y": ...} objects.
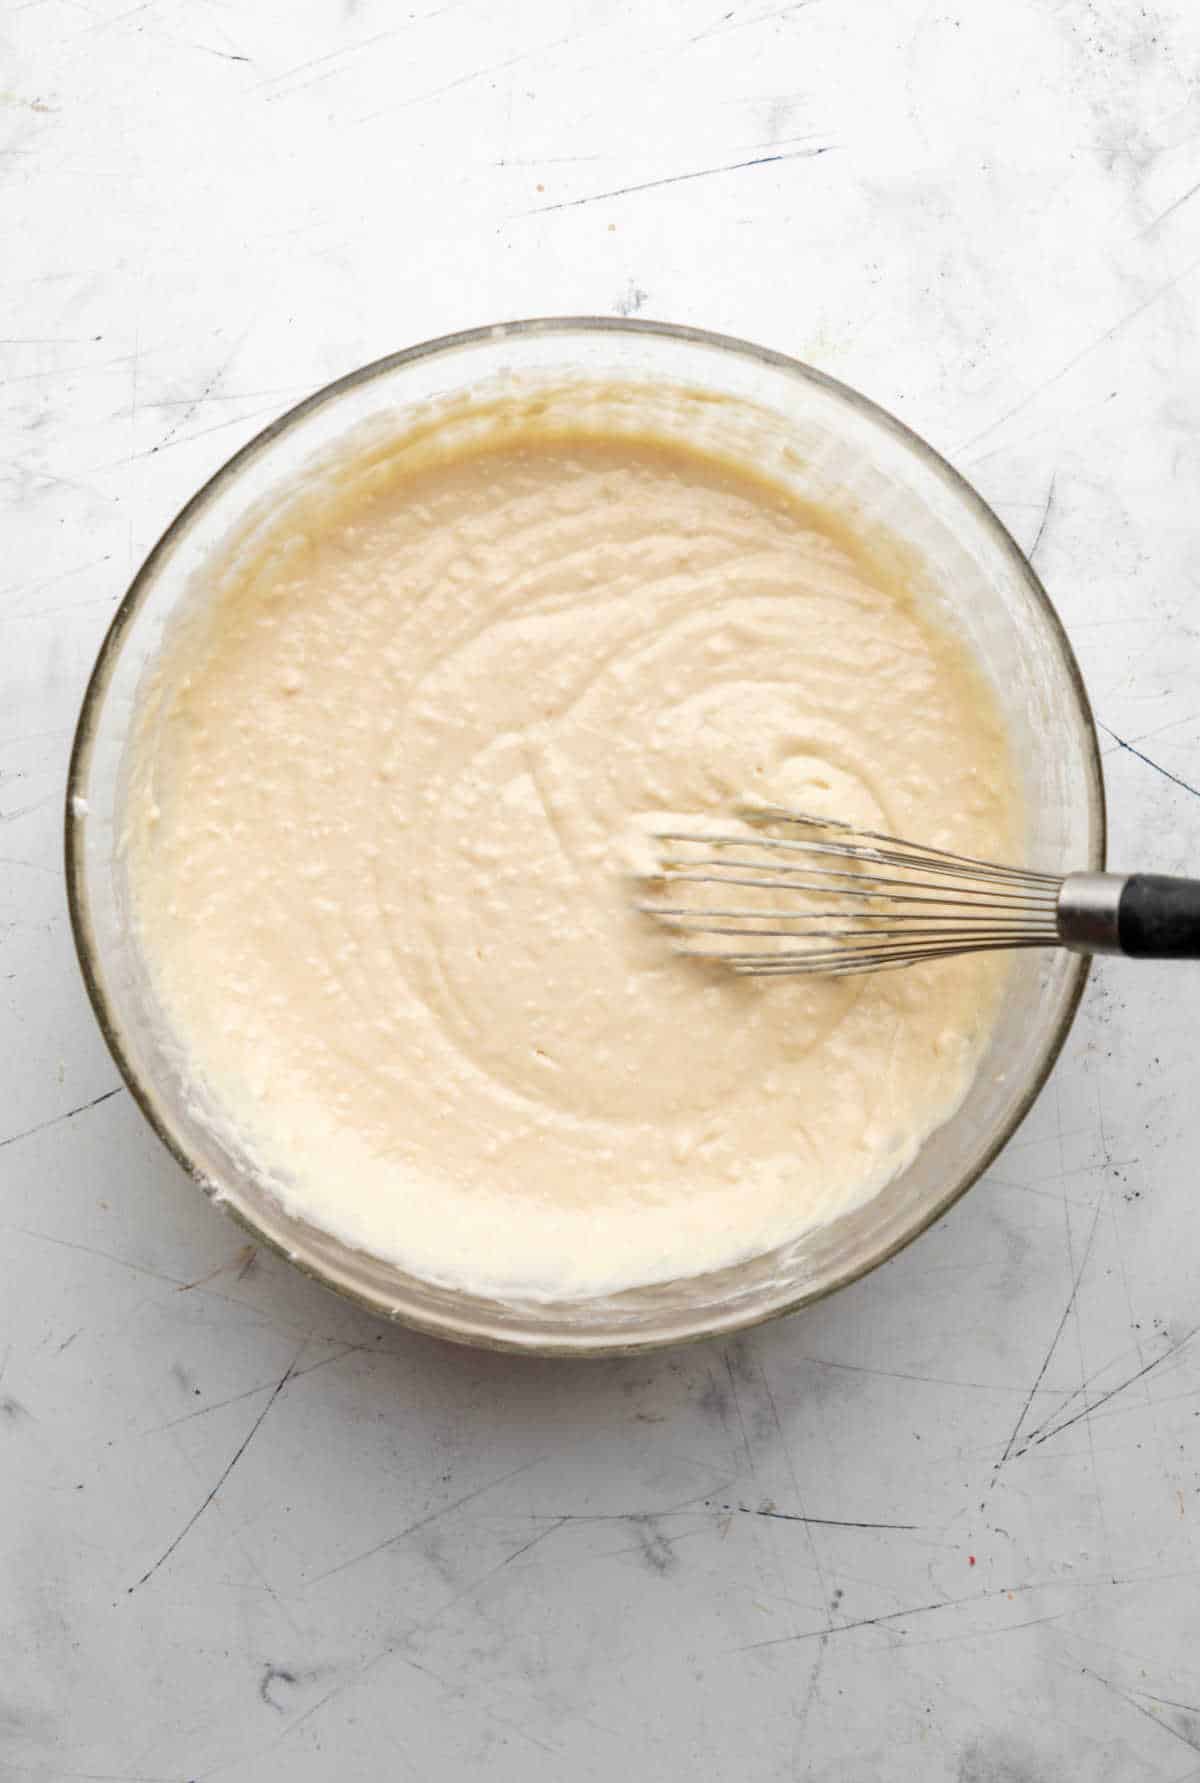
[{"x": 75, "y": 815}]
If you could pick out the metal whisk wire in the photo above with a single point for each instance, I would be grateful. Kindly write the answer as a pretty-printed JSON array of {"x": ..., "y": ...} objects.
[{"x": 866, "y": 901}]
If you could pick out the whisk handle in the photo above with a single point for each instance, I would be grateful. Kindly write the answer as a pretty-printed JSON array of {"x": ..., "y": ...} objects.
[
  {"x": 1159, "y": 917},
  {"x": 1149, "y": 916}
]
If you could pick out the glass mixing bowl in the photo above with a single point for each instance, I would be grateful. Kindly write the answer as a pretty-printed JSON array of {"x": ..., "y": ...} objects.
[{"x": 832, "y": 446}]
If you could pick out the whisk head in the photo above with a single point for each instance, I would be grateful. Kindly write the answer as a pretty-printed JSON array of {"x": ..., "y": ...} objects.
[{"x": 785, "y": 892}]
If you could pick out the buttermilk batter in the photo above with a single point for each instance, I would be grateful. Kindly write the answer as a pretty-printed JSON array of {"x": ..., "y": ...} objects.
[{"x": 374, "y": 855}]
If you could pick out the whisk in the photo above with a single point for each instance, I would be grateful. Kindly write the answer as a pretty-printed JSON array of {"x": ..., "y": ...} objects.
[{"x": 787, "y": 892}]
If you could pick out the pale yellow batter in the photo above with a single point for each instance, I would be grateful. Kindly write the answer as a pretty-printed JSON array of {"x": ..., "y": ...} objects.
[{"x": 374, "y": 855}]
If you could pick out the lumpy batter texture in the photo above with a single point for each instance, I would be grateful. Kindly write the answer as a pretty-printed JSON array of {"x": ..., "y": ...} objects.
[{"x": 375, "y": 859}]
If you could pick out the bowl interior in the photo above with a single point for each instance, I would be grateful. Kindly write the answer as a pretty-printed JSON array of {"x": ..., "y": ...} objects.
[{"x": 831, "y": 446}]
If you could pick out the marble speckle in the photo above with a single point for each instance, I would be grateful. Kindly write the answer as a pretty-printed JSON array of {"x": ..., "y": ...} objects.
[{"x": 631, "y": 300}]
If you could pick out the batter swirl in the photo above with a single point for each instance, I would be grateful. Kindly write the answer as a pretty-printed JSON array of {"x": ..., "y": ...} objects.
[{"x": 374, "y": 858}]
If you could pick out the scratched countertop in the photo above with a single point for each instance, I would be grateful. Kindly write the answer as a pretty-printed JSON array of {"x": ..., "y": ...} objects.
[{"x": 945, "y": 1525}]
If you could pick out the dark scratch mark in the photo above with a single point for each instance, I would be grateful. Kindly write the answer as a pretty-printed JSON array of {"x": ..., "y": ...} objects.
[
  {"x": 122, "y": 1777},
  {"x": 91, "y": 1250},
  {"x": 1097, "y": 1488},
  {"x": 348, "y": 49},
  {"x": 930, "y": 1380},
  {"x": 1032, "y": 552},
  {"x": 476, "y": 1584},
  {"x": 244, "y": 1256},
  {"x": 701, "y": 35},
  {"x": 443, "y": 1510},
  {"x": 829, "y": 1603},
  {"x": 541, "y": 161},
  {"x": 51, "y": 798},
  {"x": 1169, "y": 1702},
  {"x": 984, "y": 1634},
  {"x": 31, "y": 867},
  {"x": 237, "y": 1455},
  {"x": 457, "y": 1690},
  {"x": 274, "y": 1674},
  {"x": 281, "y": 1607},
  {"x": 1086, "y": 1382},
  {"x": 1174, "y": 723},
  {"x": 1110, "y": 1167},
  {"x": 1171, "y": 208},
  {"x": 1150, "y": 763},
  {"x": 678, "y": 1507},
  {"x": 1046, "y": 1359},
  {"x": 318, "y": 1705},
  {"x": 15, "y": 589},
  {"x": 737, "y": 1406},
  {"x": 516, "y": 1554},
  {"x": 954, "y": 1603},
  {"x": 439, "y": 12},
  {"x": 203, "y": 397},
  {"x": 12, "y": 1409},
  {"x": 67, "y": 1342},
  {"x": 746, "y": 1510},
  {"x": 675, "y": 179},
  {"x": 1103, "y": 1399},
  {"x": 41, "y": 474},
  {"x": 186, "y": 402},
  {"x": 1064, "y": 1400},
  {"x": 815, "y": 1634},
  {"x": 1131, "y": 1702},
  {"x": 202, "y": 1411},
  {"x": 465, "y": 80},
  {"x": 225, "y": 55},
  {"x": 1100, "y": 341},
  {"x": 118, "y": 19},
  {"x": 28, "y": 1132},
  {"x": 190, "y": 438},
  {"x": 393, "y": 1649},
  {"x": 723, "y": 27}
]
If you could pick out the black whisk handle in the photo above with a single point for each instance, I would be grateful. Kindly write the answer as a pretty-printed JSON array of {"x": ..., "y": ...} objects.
[{"x": 1158, "y": 917}]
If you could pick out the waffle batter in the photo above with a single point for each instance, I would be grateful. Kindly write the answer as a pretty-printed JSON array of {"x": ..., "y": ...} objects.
[{"x": 372, "y": 854}]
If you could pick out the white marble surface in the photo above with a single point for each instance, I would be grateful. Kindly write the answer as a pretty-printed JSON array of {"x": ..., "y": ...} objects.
[{"x": 945, "y": 1526}]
